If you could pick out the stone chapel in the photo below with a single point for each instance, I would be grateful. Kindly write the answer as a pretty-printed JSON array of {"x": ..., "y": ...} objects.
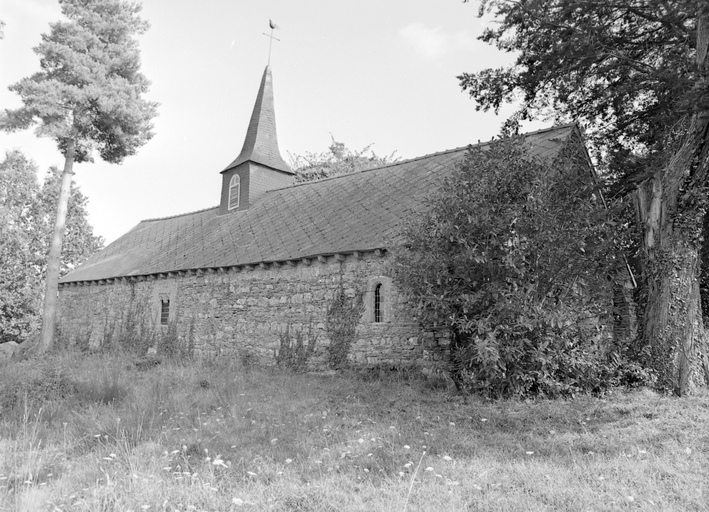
[{"x": 277, "y": 271}]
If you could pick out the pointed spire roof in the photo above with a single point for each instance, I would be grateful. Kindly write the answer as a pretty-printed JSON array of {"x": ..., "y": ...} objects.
[{"x": 261, "y": 143}]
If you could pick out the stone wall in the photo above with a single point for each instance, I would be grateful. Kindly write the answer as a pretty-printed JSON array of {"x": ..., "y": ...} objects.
[{"x": 320, "y": 315}]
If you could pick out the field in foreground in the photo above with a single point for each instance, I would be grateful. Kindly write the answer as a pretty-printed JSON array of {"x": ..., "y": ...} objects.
[{"x": 102, "y": 433}]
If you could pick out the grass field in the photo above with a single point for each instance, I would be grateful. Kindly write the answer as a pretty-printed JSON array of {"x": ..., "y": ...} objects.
[{"x": 101, "y": 433}]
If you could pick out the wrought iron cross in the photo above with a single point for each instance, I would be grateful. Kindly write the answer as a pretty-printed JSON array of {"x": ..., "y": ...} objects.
[{"x": 270, "y": 43}]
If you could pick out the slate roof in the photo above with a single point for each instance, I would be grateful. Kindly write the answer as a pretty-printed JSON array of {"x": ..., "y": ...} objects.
[
  {"x": 261, "y": 142},
  {"x": 355, "y": 212}
]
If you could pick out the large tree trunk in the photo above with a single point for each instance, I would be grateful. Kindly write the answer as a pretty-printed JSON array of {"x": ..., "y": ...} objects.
[
  {"x": 49, "y": 310},
  {"x": 671, "y": 209}
]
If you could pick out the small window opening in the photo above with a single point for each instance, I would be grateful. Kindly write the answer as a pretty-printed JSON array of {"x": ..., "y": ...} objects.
[
  {"x": 234, "y": 191},
  {"x": 378, "y": 303},
  {"x": 164, "y": 311}
]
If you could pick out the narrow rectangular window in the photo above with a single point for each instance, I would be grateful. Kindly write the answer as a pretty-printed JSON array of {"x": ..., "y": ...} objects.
[
  {"x": 164, "y": 311},
  {"x": 378, "y": 303}
]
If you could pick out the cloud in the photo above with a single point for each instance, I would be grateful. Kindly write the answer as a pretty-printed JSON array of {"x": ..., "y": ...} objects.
[{"x": 433, "y": 43}]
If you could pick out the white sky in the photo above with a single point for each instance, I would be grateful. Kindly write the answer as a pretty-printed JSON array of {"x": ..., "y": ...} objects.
[{"x": 370, "y": 71}]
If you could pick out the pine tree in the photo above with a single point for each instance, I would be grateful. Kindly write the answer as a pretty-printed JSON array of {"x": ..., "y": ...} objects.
[{"x": 88, "y": 98}]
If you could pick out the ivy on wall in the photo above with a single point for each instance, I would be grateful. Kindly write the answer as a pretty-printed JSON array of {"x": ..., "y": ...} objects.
[{"x": 343, "y": 315}]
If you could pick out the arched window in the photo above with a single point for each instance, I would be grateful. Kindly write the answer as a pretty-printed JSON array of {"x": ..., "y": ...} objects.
[
  {"x": 378, "y": 317},
  {"x": 234, "y": 191}
]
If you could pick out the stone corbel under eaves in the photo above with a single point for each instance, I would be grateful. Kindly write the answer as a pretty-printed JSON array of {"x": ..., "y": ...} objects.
[{"x": 264, "y": 265}]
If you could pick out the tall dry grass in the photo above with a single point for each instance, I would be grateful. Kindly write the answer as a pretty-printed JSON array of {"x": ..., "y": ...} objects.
[{"x": 108, "y": 433}]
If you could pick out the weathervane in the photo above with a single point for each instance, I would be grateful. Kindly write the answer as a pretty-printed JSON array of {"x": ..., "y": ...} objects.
[{"x": 273, "y": 27}]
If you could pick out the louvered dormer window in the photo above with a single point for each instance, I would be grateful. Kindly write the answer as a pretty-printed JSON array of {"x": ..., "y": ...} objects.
[{"x": 234, "y": 191}]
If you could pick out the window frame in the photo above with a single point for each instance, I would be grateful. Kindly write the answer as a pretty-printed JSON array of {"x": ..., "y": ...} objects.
[
  {"x": 164, "y": 311},
  {"x": 377, "y": 306},
  {"x": 234, "y": 183}
]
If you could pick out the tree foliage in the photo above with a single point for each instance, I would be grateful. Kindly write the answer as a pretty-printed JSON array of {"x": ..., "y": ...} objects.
[
  {"x": 513, "y": 254},
  {"x": 87, "y": 97},
  {"x": 635, "y": 73},
  {"x": 88, "y": 92},
  {"x": 27, "y": 210},
  {"x": 337, "y": 160},
  {"x": 625, "y": 69}
]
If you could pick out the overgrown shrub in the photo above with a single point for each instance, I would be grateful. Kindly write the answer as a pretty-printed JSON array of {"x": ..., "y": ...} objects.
[
  {"x": 170, "y": 346},
  {"x": 56, "y": 383},
  {"x": 295, "y": 350},
  {"x": 513, "y": 254},
  {"x": 32, "y": 383}
]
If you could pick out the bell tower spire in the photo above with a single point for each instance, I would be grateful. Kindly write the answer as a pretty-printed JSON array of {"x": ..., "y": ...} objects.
[{"x": 259, "y": 166}]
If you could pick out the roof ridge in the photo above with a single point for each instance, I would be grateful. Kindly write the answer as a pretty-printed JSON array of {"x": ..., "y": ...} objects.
[
  {"x": 392, "y": 164},
  {"x": 179, "y": 214},
  {"x": 414, "y": 159},
  {"x": 551, "y": 128}
]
